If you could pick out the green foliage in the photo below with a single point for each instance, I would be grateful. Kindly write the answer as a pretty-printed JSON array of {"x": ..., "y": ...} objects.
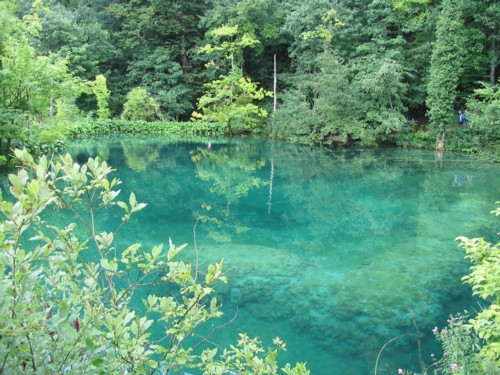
[
  {"x": 485, "y": 117},
  {"x": 407, "y": 61},
  {"x": 324, "y": 107},
  {"x": 295, "y": 120},
  {"x": 45, "y": 139},
  {"x": 99, "y": 88},
  {"x": 95, "y": 128},
  {"x": 472, "y": 345},
  {"x": 325, "y": 29},
  {"x": 380, "y": 79},
  {"x": 484, "y": 278},
  {"x": 243, "y": 359},
  {"x": 461, "y": 346},
  {"x": 416, "y": 139},
  {"x": 76, "y": 35},
  {"x": 131, "y": 19},
  {"x": 230, "y": 100},
  {"x": 3, "y": 162},
  {"x": 311, "y": 26},
  {"x": 61, "y": 312},
  {"x": 10, "y": 123},
  {"x": 54, "y": 138},
  {"x": 140, "y": 106},
  {"x": 164, "y": 79},
  {"x": 227, "y": 46},
  {"x": 420, "y": 7},
  {"x": 29, "y": 82}
]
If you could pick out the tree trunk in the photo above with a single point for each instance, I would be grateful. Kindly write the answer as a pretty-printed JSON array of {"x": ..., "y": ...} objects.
[
  {"x": 275, "y": 85},
  {"x": 440, "y": 143}
]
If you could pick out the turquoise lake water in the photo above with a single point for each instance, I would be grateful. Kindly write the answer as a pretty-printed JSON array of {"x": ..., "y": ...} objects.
[{"x": 329, "y": 250}]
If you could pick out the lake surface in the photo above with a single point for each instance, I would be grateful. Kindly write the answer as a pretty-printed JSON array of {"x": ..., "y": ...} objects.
[{"x": 329, "y": 250}]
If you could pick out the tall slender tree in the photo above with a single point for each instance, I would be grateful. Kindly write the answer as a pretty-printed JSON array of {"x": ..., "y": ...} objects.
[{"x": 447, "y": 62}]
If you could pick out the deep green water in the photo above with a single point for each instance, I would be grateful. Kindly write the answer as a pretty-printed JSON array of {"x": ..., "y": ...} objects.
[{"x": 330, "y": 250}]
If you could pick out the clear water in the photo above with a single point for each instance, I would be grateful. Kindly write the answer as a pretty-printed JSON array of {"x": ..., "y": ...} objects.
[{"x": 330, "y": 250}]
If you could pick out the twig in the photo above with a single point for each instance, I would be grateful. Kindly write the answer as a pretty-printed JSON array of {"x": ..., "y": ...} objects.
[
  {"x": 216, "y": 329},
  {"x": 423, "y": 367},
  {"x": 383, "y": 347},
  {"x": 196, "y": 250}
]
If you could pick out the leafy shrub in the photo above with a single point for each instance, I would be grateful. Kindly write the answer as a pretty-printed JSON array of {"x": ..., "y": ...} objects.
[
  {"x": 472, "y": 345},
  {"x": 418, "y": 139},
  {"x": 141, "y": 106},
  {"x": 45, "y": 139},
  {"x": 94, "y": 128},
  {"x": 460, "y": 345},
  {"x": 485, "y": 280}
]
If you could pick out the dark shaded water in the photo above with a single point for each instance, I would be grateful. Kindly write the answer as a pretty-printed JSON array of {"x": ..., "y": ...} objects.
[{"x": 330, "y": 250}]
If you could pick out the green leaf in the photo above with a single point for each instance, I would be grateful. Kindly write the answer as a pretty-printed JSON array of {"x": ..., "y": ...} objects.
[
  {"x": 151, "y": 363},
  {"x": 89, "y": 342},
  {"x": 97, "y": 362},
  {"x": 123, "y": 205},
  {"x": 132, "y": 201},
  {"x": 63, "y": 308}
]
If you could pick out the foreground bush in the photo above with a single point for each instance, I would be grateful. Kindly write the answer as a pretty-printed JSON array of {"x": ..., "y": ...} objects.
[
  {"x": 471, "y": 345},
  {"x": 61, "y": 313}
]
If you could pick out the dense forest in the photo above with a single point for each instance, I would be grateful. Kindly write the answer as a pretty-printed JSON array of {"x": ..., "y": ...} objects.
[{"x": 316, "y": 71}]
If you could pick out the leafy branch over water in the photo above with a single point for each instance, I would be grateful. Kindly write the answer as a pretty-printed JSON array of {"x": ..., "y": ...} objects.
[{"x": 61, "y": 312}]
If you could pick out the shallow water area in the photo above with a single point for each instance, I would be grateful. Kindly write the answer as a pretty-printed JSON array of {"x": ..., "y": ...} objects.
[{"x": 329, "y": 250}]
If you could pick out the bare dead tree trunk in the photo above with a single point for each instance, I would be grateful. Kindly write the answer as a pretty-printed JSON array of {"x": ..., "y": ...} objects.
[{"x": 275, "y": 85}]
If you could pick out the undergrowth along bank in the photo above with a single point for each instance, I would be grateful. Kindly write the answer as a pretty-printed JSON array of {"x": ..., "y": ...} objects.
[{"x": 46, "y": 139}]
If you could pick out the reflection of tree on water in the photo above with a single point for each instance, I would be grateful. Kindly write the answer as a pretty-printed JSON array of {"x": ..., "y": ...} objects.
[
  {"x": 138, "y": 157},
  {"x": 350, "y": 184},
  {"x": 84, "y": 152},
  {"x": 231, "y": 171}
]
